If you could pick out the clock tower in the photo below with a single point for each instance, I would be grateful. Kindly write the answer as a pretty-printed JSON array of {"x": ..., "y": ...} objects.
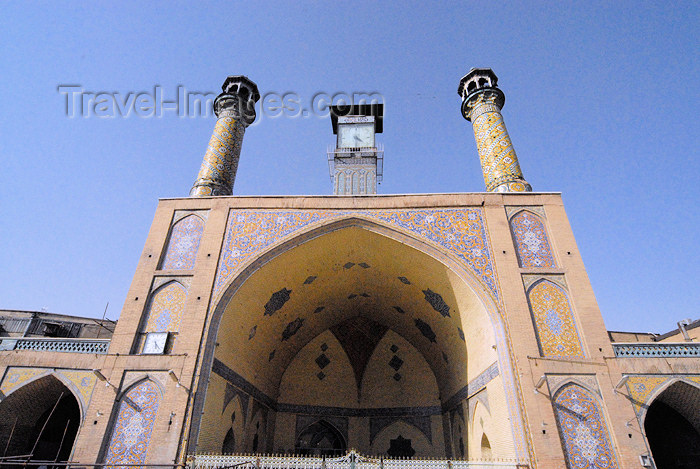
[{"x": 355, "y": 161}]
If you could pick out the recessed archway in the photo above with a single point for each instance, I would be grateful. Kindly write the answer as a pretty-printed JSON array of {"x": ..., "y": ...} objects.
[
  {"x": 39, "y": 421},
  {"x": 672, "y": 427},
  {"x": 358, "y": 291}
]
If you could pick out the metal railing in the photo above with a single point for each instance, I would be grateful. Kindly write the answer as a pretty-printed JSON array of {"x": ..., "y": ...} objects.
[
  {"x": 359, "y": 155},
  {"x": 98, "y": 346},
  {"x": 352, "y": 460},
  {"x": 667, "y": 350}
]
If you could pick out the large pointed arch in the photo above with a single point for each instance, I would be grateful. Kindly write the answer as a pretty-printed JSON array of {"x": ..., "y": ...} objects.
[
  {"x": 479, "y": 296},
  {"x": 41, "y": 418},
  {"x": 671, "y": 423}
]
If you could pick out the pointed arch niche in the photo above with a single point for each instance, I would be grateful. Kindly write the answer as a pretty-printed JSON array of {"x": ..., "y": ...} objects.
[
  {"x": 583, "y": 429},
  {"x": 164, "y": 312},
  {"x": 47, "y": 428},
  {"x": 183, "y": 243},
  {"x": 672, "y": 425},
  {"x": 531, "y": 241},
  {"x": 363, "y": 316},
  {"x": 554, "y": 320},
  {"x": 132, "y": 426}
]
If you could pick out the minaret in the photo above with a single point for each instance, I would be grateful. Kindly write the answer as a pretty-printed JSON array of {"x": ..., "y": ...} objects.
[
  {"x": 235, "y": 110},
  {"x": 482, "y": 102}
]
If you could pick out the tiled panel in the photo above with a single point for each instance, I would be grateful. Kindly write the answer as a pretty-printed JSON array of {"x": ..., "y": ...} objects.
[
  {"x": 460, "y": 231},
  {"x": 18, "y": 376},
  {"x": 165, "y": 308},
  {"x": 131, "y": 434},
  {"x": 531, "y": 242},
  {"x": 583, "y": 430},
  {"x": 185, "y": 236},
  {"x": 554, "y": 320}
]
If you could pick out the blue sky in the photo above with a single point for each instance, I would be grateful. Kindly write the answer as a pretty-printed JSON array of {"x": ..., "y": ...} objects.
[{"x": 601, "y": 104}]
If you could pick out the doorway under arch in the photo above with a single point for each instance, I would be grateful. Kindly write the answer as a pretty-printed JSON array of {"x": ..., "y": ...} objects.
[
  {"x": 672, "y": 427},
  {"x": 351, "y": 291},
  {"x": 39, "y": 421},
  {"x": 320, "y": 439}
]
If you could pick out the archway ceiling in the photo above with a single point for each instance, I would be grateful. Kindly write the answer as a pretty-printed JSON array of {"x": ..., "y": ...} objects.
[
  {"x": 684, "y": 398},
  {"x": 336, "y": 277}
]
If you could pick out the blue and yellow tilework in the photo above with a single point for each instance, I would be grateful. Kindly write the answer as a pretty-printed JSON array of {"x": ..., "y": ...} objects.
[
  {"x": 554, "y": 321},
  {"x": 83, "y": 380},
  {"x": 218, "y": 171},
  {"x": 499, "y": 163},
  {"x": 131, "y": 432},
  {"x": 583, "y": 429},
  {"x": 185, "y": 236},
  {"x": 460, "y": 231},
  {"x": 166, "y": 308},
  {"x": 531, "y": 241}
]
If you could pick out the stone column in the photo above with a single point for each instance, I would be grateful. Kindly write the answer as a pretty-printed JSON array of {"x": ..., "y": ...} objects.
[
  {"x": 482, "y": 102},
  {"x": 235, "y": 110}
]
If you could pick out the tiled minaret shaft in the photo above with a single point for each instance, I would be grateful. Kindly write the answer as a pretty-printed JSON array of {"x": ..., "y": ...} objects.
[
  {"x": 482, "y": 102},
  {"x": 235, "y": 110}
]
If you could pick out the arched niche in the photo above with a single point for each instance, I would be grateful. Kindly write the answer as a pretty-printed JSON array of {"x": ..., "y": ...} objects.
[
  {"x": 132, "y": 424},
  {"x": 310, "y": 285},
  {"x": 531, "y": 241},
  {"x": 183, "y": 243},
  {"x": 320, "y": 438},
  {"x": 672, "y": 426},
  {"x": 41, "y": 419},
  {"x": 583, "y": 428}
]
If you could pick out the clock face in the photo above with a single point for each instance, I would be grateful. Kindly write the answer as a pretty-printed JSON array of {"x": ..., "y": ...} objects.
[
  {"x": 155, "y": 342},
  {"x": 356, "y": 135}
]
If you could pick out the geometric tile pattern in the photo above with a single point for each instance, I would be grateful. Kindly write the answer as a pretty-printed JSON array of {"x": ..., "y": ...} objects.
[
  {"x": 277, "y": 300},
  {"x": 292, "y": 328},
  {"x": 531, "y": 241},
  {"x": 166, "y": 308},
  {"x": 498, "y": 160},
  {"x": 583, "y": 430},
  {"x": 218, "y": 171},
  {"x": 425, "y": 329},
  {"x": 182, "y": 248},
  {"x": 437, "y": 302},
  {"x": 460, "y": 231},
  {"x": 554, "y": 322},
  {"x": 131, "y": 434}
]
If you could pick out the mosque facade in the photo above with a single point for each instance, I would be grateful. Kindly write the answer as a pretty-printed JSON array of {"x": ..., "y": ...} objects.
[{"x": 431, "y": 330}]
